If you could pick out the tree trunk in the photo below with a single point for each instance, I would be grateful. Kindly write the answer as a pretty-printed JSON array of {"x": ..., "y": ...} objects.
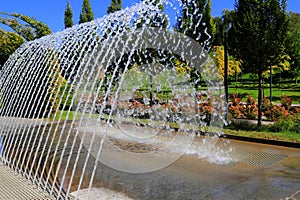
[
  {"x": 271, "y": 82},
  {"x": 151, "y": 90},
  {"x": 259, "y": 118},
  {"x": 196, "y": 104},
  {"x": 236, "y": 82},
  {"x": 263, "y": 87}
]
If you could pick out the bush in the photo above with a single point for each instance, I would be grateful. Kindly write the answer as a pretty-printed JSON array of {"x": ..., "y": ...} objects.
[
  {"x": 67, "y": 97},
  {"x": 234, "y": 112},
  {"x": 289, "y": 123},
  {"x": 235, "y": 100},
  {"x": 251, "y": 110},
  {"x": 276, "y": 112},
  {"x": 57, "y": 85},
  {"x": 266, "y": 103},
  {"x": 235, "y": 108},
  {"x": 286, "y": 102},
  {"x": 205, "y": 110}
]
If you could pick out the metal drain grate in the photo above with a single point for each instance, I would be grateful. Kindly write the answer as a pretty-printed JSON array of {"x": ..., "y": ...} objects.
[
  {"x": 260, "y": 159},
  {"x": 13, "y": 186}
]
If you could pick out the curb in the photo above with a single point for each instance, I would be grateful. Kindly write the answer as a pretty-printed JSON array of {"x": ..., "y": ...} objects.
[{"x": 262, "y": 141}]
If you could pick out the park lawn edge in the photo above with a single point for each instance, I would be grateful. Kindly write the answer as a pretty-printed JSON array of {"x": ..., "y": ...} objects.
[{"x": 276, "y": 136}]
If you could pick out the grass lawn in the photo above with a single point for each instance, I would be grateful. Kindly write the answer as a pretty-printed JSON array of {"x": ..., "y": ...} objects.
[
  {"x": 277, "y": 93},
  {"x": 249, "y": 85},
  {"x": 277, "y": 136},
  {"x": 63, "y": 115}
]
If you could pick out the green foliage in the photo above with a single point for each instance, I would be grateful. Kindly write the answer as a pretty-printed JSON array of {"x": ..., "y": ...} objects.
[
  {"x": 60, "y": 92},
  {"x": 9, "y": 42},
  {"x": 233, "y": 65},
  {"x": 290, "y": 123},
  {"x": 67, "y": 97},
  {"x": 25, "y": 29},
  {"x": 251, "y": 110},
  {"x": 68, "y": 17},
  {"x": 181, "y": 67},
  {"x": 218, "y": 37},
  {"x": 293, "y": 45},
  {"x": 260, "y": 32},
  {"x": 32, "y": 29},
  {"x": 196, "y": 21},
  {"x": 260, "y": 29},
  {"x": 159, "y": 20},
  {"x": 86, "y": 14},
  {"x": 115, "y": 5},
  {"x": 286, "y": 102}
]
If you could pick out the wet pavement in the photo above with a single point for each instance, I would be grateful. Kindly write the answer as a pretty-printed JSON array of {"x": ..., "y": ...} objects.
[
  {"x": 255, "y": 171},
  {"x": 232, "y": 170}
]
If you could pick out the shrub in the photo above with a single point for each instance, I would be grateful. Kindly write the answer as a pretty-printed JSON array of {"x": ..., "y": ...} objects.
[
  {"x": 266, "y": 103},
  {"x": 235, "y": 108},
  {"x": 234, "y": 112},
  {"x": 276, "y": 112},
  {"x": 205, "y": 111},
  {"x": 251, "y": 110},
  {"x": 235, "y": 100},
  {"x": 297, "y": 110},
  {"x": 286, "y": 102},
  {"x": 290, "y": 123},
  {"x": 67, "y": 97}
]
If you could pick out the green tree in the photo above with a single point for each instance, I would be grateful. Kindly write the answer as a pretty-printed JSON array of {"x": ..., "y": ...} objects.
[
  {"x": 293, "y": 46},
  {"x": 24, "y": 29},
  {"x": 260, "y": 31},
  {"x": 68, "y": 17},
  {"x": 233, "y": 65},
  {"x": 218, "y": 37},
  {"x": 115, "y": 5},
  {"x": 158, "y": 20},
  {"x": 196, "y": 21},
  {"x": 27, "y": 27},
  {"x": 9, "y": 42},
  {"x": 86, "y": 14}
]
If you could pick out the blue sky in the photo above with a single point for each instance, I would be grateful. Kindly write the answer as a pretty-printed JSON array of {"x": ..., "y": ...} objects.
[{"x": 51, "y": 12}]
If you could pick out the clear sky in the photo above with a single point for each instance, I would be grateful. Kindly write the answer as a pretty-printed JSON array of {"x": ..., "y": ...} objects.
[{"x": 51, "y": 12}]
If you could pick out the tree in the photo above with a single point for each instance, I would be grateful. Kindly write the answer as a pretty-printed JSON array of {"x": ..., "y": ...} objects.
[
  {"x": 260, "y": 31},
  {"x": 196, "y": 21},
  {"x": 68, "y": 16},
  {"x": 31, "y": 30},
  {"x": 86, "y": 14},
  {"x": 218, "y": 39},
  {"x": 24, "y": 29},
  {"x": 293, "y": 46},
  {"x": 158, "y": 20},
  {"x": 9, "y": 42},
  {"x": 115, "y": 5},
  {"x": 233, "y": 65}
]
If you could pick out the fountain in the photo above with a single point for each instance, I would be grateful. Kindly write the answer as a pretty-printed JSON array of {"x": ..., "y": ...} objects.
[{"x": 118, "y": 94}]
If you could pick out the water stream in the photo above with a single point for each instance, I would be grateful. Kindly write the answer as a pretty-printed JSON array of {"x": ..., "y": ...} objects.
[{"x": 121, "y": 87}]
